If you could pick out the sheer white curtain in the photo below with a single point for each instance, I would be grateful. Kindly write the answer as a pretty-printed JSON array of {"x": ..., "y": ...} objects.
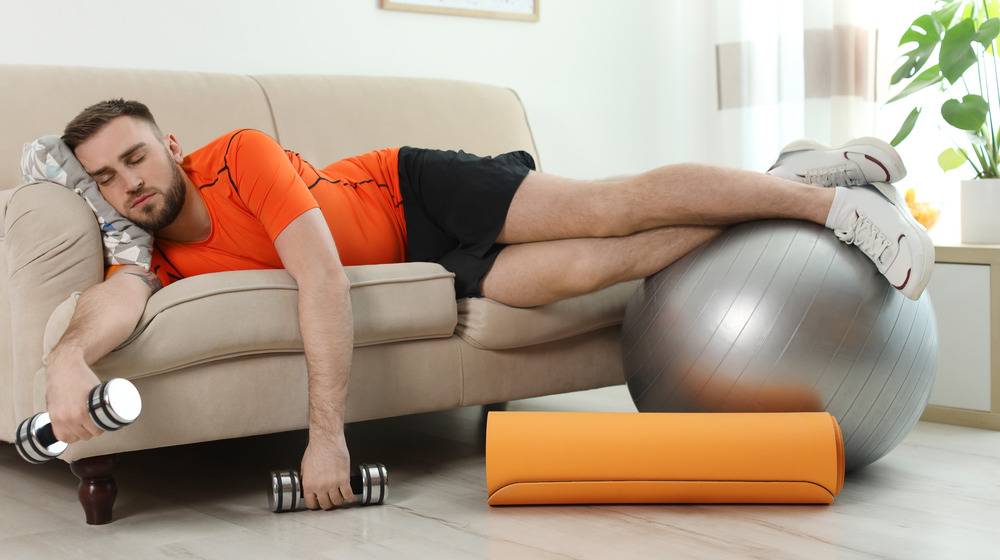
[{"x": 789, "y": 69}]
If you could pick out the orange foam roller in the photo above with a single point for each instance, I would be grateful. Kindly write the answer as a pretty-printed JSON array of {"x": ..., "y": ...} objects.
[{"x": 590, "y": 458}]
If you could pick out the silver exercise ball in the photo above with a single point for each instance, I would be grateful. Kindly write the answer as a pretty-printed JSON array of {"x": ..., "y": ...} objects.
[{"x": 781, "y": 316}]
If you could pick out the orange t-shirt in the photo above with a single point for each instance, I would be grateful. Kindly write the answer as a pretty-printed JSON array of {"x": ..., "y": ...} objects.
[{"x": 254, "y": 188}]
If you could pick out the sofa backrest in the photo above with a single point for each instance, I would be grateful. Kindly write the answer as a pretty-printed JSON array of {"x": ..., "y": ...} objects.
[
  {"x": 325, "y": 118},
  {"x": 196, "y": 107}
]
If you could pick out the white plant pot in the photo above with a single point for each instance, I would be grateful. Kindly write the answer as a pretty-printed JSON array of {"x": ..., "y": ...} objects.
[{"x": 981, "y": 211}]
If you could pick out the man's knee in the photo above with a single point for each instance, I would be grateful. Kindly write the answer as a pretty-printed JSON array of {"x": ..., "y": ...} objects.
[
  {"x": 591, "y": 269},
  {"x": 525, "y": 276}
]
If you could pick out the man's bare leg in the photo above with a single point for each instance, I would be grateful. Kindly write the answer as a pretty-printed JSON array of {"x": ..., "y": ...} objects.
[
  {"x": 614, "y": 230},
  {"x": 547, "y": 207},
  {"x": 567, "y": 238},
  {"x": 530, "y": 274}
]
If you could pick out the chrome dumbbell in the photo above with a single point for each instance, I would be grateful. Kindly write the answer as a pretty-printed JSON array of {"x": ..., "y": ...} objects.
[
  {"x": 370, "y": 487},
  {"x": 112, "y": 405}
]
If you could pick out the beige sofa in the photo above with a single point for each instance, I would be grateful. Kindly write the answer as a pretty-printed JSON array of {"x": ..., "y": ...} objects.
[{"x": 219, "y": 356}]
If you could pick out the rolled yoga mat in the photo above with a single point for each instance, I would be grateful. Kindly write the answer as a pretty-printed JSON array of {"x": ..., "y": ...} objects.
[{"x": 591, "y": 458}]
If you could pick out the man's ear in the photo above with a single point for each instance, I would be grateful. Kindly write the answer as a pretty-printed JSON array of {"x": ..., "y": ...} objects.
[{"x": 174, "y": 147}]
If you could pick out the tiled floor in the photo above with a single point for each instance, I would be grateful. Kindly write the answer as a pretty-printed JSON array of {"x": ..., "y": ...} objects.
[{"x": 936, "y": 496}]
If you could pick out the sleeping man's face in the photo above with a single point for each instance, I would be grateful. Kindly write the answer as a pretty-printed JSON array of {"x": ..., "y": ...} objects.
[{"x": 138, "y": 171}]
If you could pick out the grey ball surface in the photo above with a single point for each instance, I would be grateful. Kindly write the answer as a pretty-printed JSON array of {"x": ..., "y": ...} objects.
[{"x": 781, "y": 316}]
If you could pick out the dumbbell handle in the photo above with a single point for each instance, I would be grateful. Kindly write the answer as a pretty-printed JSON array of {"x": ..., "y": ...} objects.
[
  {"x": 370, "y": 487},
  {"x": 112, "y": 405}
]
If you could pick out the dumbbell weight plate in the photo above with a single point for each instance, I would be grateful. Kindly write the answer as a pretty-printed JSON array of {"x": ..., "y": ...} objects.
[
  {"x": 114, "y": 404},
  {"x": 31, "y": 436}
]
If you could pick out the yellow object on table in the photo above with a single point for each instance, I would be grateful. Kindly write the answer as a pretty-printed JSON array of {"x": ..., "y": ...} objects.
[{"x": 926, "y": 213}]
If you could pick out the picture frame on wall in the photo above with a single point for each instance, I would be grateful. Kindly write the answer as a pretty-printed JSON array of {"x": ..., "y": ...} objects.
[{"x": 524, "y": 10}]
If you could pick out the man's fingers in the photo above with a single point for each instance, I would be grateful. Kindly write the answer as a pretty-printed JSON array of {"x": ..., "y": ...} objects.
[
  {"x": 347, "y": 492},
  {"x": 73, "y": 434},
  {"x": 310, "y": 500},
  {"x": 92, "y": 429},
  {"x": 322, "y": 500},
  {"x": 64, "y": 435},
  {"x": 74, "y": 430},
  {"x": 329, "y": 500}
]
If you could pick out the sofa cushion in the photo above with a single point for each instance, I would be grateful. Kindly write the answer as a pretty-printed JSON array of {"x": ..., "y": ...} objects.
[
  {"x": 487, "y": 324},
  {"x": 225, "y": 315}
]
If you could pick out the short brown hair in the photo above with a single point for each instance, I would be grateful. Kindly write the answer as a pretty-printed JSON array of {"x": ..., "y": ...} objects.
[{"x": 92, "y": 119}]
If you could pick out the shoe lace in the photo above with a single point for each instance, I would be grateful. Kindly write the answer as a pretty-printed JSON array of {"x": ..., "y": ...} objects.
[
  {"x": 862, "y": 232},
  {"x": 841, "y": 175}
]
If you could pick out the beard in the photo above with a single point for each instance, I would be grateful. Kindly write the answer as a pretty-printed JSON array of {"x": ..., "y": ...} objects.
[{"x": 152, "y": 217}]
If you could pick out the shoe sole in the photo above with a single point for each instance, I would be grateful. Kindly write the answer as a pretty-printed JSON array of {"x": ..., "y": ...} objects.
[
  {"x": 925, "y": 240},
  {"x": 887, "y": 151},
  {"x": 928, "y": 246}
]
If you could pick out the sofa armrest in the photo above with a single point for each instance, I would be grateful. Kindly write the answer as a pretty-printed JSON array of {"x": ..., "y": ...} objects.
[{"x": 52, "y": 249}]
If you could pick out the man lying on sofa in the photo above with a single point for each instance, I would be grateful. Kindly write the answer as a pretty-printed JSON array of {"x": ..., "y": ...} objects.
[{"x": 508, "y": 233}]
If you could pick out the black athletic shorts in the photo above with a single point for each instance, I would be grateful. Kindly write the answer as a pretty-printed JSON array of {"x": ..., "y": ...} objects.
[{"x": 455, "y": 205}]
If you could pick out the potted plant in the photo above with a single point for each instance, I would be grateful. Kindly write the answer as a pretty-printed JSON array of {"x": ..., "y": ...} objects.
[{"x": 963, "y": 36}]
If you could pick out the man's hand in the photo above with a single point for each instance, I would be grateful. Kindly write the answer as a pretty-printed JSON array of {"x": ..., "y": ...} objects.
[
  {"x": 326, "y": 476},
  {"x": 105, "y": 316},
  {"x": 69, "y": 382}
]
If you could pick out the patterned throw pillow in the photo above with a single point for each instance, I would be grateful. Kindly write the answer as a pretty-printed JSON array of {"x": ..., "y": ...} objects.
[{"x": 50, "y": 159}]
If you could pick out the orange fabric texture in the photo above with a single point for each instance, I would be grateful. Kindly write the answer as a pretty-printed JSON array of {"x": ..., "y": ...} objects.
[
  {"x": 587, "y": 458},
  {"x": 254, "y": 188}
]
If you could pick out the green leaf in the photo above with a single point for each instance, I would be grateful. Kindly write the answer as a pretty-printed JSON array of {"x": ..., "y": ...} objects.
[
  {"x": 967, "y": 114},
  {"x": 957, "y": 54},
  {"x": 952, "y": 159},
  {"x": 991, "y": 10},
  {"x": 926, "y": 32},
  {"x": 928, "y": 78},
  {"x": 946, "y": 15},
  {"x": 988, "y": 32},
  {"x": 907, "y": 127}
]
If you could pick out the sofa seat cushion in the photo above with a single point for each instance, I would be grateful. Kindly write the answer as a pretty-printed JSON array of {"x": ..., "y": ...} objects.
[
  {"x": 231, "y": 314},
  {"x": 487, "y": 324}
]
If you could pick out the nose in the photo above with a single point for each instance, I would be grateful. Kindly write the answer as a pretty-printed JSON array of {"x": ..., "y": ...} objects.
[{"x": 132, "y": 182}]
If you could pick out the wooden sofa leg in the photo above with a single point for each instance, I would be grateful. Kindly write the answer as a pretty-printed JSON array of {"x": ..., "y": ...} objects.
[{"x": 97, "y": 490}]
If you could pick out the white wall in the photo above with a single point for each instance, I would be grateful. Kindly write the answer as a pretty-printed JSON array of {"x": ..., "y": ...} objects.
[{"x": 597, "y": 77}]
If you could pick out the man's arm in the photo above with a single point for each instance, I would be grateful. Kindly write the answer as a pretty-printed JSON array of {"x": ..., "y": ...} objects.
[
  {"x": 105, "y": 316},
  {"x": 326, "y": 321}
]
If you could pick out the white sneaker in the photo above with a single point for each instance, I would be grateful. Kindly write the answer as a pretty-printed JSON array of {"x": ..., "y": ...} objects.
[
  {"x": 858, "y": 162},
  {"x": 889, "y": 235}
]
